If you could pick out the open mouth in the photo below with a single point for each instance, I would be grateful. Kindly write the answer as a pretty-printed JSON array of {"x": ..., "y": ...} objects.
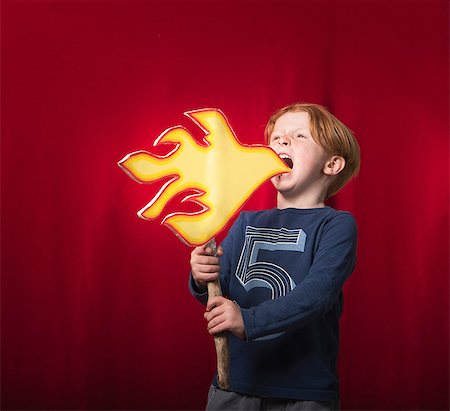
[{"x": 287, "y": 160}]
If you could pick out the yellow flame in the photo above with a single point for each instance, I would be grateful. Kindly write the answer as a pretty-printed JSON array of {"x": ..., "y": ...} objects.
[{"x": 222, "y": 175}]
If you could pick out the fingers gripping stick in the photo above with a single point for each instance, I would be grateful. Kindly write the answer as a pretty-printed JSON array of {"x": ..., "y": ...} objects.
[{"x": 220, "y": 340}]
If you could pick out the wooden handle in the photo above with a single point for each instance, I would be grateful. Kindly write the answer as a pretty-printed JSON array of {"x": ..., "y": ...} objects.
[
  {"x": 221, "y": 339},
  {"x": 221, "y": 343}
]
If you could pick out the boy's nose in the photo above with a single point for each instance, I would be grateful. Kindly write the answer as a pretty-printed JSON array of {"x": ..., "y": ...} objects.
[{"x": 284, "y": 140}]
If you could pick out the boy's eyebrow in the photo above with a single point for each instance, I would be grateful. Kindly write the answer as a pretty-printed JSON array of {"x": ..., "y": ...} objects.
[{"x": 302, "y": 129}]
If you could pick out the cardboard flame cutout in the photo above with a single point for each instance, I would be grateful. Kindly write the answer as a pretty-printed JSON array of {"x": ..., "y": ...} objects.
[{"x": 222, "y": 175}]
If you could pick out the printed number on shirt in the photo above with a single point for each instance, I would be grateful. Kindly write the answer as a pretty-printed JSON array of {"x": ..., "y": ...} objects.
[{"x": 254, "y": 273}]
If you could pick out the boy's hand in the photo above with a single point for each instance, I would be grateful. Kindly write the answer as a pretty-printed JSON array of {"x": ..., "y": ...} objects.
[
  {"x": 205, "y": 266},
  {"x": 223, "y": 314}
]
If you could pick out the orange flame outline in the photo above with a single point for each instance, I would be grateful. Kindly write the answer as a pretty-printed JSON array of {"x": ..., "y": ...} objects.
[{"x": 223, "y": 163}]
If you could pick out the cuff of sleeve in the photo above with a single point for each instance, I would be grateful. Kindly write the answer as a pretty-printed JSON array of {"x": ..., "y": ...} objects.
[
  {"x": 248, "y": 315},
  {"x": 197, "y": 292}
]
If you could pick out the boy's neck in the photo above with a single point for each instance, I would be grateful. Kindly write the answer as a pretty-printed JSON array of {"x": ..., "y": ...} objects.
[{"x": 299, "y": 202}]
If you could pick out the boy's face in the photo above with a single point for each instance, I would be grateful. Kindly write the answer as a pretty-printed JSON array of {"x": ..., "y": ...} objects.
[{"x": 291, "y": 139}]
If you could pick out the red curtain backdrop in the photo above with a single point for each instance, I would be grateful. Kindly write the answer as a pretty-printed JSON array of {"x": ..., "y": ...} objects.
[{"x": 95, "y": 308}]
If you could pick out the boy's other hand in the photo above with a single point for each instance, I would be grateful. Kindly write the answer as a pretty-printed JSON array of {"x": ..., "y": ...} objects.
[
  {"x": 223, "y": 314},
  {"x": 205, "y": 265}
]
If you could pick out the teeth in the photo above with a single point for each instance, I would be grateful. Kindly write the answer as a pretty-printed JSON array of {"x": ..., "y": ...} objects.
[{"x": 284, "y": 156}]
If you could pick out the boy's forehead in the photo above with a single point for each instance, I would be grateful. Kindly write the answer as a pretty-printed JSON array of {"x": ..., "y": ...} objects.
[{"x": 292, "y": 120}]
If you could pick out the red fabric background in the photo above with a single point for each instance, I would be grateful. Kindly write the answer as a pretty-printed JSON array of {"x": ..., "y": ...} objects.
[{"x": 95, "y": 308}]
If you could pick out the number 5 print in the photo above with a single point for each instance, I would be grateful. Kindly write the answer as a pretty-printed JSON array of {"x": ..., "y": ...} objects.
[{"x": 253, "y": 273}]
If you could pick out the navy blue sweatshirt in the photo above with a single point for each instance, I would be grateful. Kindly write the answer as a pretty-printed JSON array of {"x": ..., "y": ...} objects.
[{"x": 286, "y": 269}]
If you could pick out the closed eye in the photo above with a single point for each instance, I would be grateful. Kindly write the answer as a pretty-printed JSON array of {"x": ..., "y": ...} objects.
[{"x": 275, "y": 138}]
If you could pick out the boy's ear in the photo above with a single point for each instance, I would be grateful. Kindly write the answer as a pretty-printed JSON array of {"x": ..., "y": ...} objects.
[{"x": 334, "y": 165}]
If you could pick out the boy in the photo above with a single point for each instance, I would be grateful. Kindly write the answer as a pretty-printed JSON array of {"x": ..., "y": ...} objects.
[{"x": 283, "y": 270}]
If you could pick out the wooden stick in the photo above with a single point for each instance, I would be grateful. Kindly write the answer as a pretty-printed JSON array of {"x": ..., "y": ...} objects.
[{"x": 221, "y": 339}]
